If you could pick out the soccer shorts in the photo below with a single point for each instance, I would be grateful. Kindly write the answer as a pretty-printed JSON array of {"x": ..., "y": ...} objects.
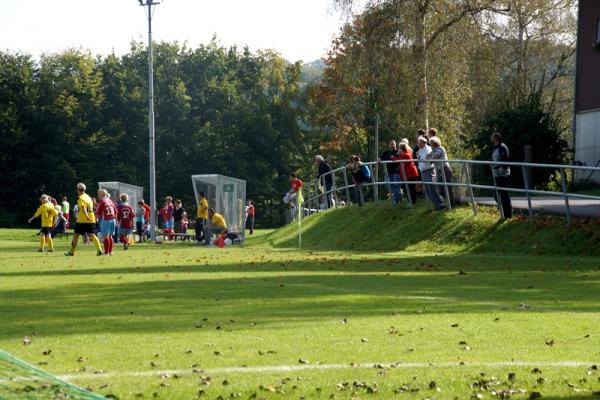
[
  {"x": 107, "y": 227},
  {"x": 45, "y": 230},
  {"x": 168, "y": 224},
  {"x": 125, "y": 231},
  {"x": 82, "y": 228}
]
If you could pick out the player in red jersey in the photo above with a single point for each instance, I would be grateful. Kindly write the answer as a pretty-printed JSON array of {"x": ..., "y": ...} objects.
[
  {"x": 126, "y": 217},
  {"x": 107, "y": 214}
]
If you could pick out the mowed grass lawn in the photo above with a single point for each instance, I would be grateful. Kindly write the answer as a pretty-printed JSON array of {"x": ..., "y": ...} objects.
[{"x": 178, "y": 321}]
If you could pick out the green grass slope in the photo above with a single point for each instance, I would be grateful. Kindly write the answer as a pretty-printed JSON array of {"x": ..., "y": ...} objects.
[{"x": 382, "y": 228}]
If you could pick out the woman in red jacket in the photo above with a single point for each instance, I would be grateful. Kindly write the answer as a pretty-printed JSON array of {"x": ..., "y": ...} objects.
[{"x": 408, "y": 171}]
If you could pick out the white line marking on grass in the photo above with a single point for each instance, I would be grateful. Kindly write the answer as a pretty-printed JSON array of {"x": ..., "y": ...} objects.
[{"x": 291, "y": 368}]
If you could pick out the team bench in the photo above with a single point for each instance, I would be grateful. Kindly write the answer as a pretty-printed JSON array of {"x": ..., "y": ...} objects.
[{"x": 186, "y": 236}]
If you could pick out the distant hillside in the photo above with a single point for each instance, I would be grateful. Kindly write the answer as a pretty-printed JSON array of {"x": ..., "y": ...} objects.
[{"x": 312, "y": 71}]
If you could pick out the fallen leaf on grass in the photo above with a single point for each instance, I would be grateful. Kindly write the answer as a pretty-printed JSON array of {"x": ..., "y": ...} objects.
[
  {"x": 454, "y": 325},
  {"x": 82, "y": 359},
  {"x": 549, "y": 342},
  {"x": 364, "y": 340},
  {"x": 536, "y": 371},
  {"x": 26, "y": 341},
  {"x": 303, "y": 361},
  {"x": 47, "y": 352}
]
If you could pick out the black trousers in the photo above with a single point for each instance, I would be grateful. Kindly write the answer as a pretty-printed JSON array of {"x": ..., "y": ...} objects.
[
  {"x": 504, "y": 196},
  {"x": 250, "y": 223},
  {"x": 139, "y": 227},
  {"x": 412, "y": 189},
  {"x": 199, "y": 229}
]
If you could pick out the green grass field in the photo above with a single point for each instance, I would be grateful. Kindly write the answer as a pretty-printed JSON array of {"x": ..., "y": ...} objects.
[{"x": 380, "y": 303}]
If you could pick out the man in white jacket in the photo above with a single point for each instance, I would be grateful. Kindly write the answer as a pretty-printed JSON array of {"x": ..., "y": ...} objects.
[{"x": 428, "y": 173}]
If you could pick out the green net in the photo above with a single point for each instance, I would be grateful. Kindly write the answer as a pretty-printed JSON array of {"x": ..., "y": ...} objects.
[{"x": 19, "y": 380}]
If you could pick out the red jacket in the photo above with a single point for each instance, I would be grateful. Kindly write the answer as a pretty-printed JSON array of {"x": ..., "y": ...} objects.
[{"x": 409, "y": 167}]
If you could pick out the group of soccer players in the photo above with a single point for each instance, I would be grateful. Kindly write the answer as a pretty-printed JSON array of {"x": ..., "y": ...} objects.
[{"x": 108, "y": 215}]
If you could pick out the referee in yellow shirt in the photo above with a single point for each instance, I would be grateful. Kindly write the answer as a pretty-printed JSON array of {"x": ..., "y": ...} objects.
[
  {"x": 48, "y": 214},
  {"x": 86, "y": 221}
]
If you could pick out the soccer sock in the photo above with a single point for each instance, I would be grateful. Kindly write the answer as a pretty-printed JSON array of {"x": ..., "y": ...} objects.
[
  {"x": 97, "y": 243},
  {"x": 51, "y": 243},
  {"x": 110, "y": 244},
  {"x": 106, "y": 245},
  {"x": 42, "y": 242}
]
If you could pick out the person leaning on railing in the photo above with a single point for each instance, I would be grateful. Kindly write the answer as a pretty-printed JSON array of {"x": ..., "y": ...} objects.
[
  {"x": 438, "y": 152},
  {"x": 360, "y": 174},
  {"x": 501, "y": 173}
]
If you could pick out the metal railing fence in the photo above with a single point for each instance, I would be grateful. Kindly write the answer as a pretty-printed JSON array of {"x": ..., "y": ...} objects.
[{"x": 343, "y": 185}]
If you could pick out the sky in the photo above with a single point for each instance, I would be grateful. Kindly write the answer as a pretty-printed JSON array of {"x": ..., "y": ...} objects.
[{"x": 298, "y": 29}]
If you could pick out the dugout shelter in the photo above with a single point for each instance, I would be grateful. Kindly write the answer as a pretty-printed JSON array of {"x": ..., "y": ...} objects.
[{"x": 227, "y": 196}]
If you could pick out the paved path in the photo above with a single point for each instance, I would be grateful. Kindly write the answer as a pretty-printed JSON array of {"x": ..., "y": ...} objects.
[{"x": 552, "y": 205}]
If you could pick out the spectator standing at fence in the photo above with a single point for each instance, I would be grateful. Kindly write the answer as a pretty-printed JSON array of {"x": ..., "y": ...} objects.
[
  {"x": 407, "y": 171},
  {"x": 438, "y": 152},
  {"x": 501, "y": 173},
  {"x": 420, "y": 134},
  {"x": 325, "y": 177},
  {"x": 126, "y": 217},
  {"x": 65, "y": 208},
  {"x": 107, "y": 216},
  {"x": 391, "y": 176},
  {"x": 86, "y": 221},
  {"x": 178, "y": 217},
  {"x": 431, "y": 133},
  {"x": 250, "y": 213},
  {"x": 47, "y": 213},
  {"x": 216, "y": 225},
  {"x": 361, "y": 174},
  {"x": 428, "y": 175}
]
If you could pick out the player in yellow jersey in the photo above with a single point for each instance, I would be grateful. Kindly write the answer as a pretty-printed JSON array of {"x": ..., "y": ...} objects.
[
  {"x": 47, "y": 213},
  {"x": 86, "y": 221}
]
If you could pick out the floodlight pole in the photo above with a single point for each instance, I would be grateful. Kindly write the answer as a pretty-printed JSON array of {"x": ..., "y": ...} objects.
[{"x": 149, "y": 4}]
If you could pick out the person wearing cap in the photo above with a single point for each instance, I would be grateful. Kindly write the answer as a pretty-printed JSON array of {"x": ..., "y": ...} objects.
[
  {"x": 86, "y": 221},
  {"x": 427, "y": 170},
  {"x": 325, "y": 177},
  {"x": 47, "y": 213}
]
